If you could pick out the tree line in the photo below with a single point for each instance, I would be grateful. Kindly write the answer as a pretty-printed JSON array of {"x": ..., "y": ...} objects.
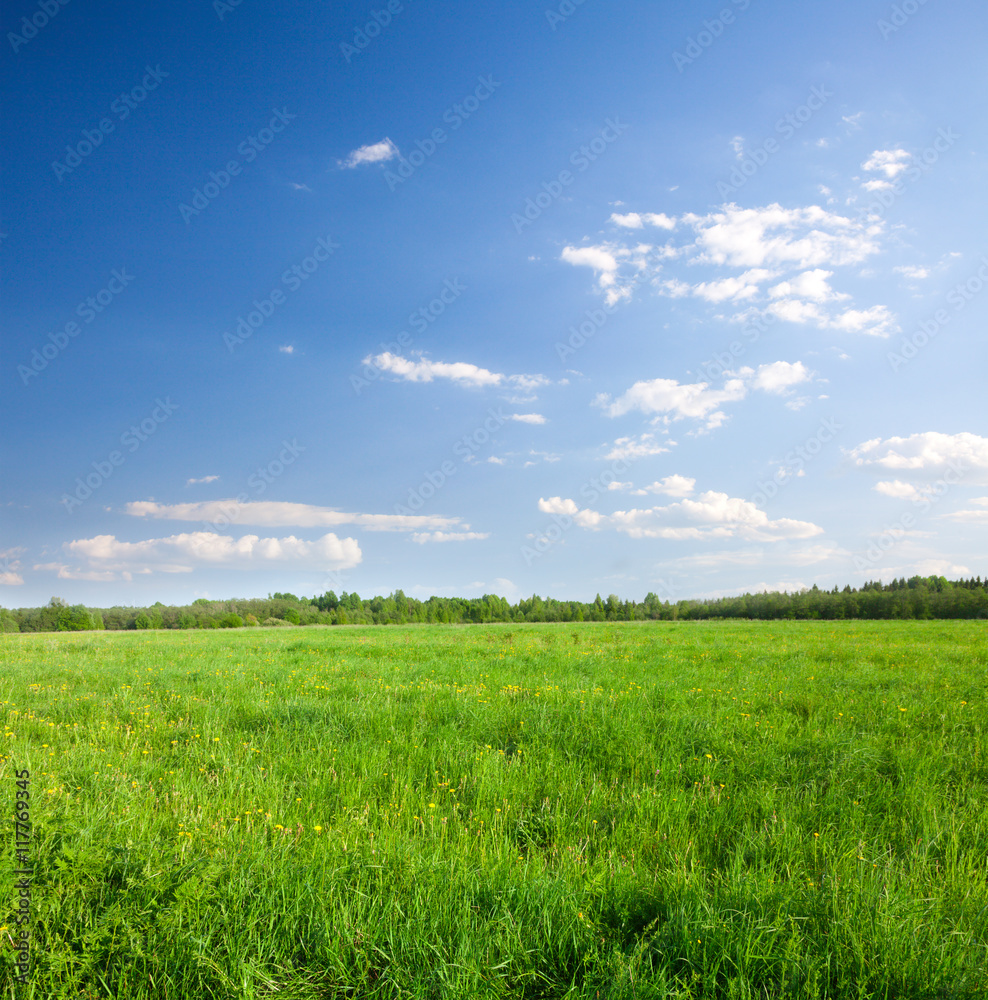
[{"x": 916, "y": 598}]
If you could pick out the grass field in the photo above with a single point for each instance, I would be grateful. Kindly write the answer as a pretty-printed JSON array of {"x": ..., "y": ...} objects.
[{"x": 639, "y": 810}]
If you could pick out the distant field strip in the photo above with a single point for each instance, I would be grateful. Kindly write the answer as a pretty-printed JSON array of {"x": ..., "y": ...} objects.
[{"x": 641, "y": 810}]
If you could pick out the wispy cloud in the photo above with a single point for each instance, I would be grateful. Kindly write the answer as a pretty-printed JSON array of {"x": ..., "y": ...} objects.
[{"x": 376, "y": 152}]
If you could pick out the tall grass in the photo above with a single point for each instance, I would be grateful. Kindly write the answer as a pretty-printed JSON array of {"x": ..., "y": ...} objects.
[{"x": 640, "y": 810}]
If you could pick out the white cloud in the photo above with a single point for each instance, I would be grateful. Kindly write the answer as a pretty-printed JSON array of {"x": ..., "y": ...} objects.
[
  {"x": 801, "y": 246},
  {"x": 779, "y": 376},
  {"x": 287, "y": 349},
  {"x": 697, "y": 400},
  {"x": 10, "y": 565},
  {"x": 460, "y": 372},
  {"x": 929, "y": 452},
  {"x": 890, "y": 162},
  {"x": 737, "y": 144},
  {"x": 711, "y": 515},
  {"x": 449, "y": 536},
  {"x": 631, "y": 448},
  {"x": 897, "y": 489},
  {"x": 671, "y": 486},
  {"x": 205, "y": 479},
  {"x": 666, "y": 395},
  {"x": 527, "y": 418},
  {"x": 183, "y": 553},
  {"x": 278, "y": 514},
  {"x": 808, "y": 285},
  {"x": 913, "y": 272},
  {"x": 377, "y": 152},
  {"x": 635, "y": 220}
]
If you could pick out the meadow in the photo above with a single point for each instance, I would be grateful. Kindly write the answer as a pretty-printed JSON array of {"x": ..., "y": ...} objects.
[{"x": 626, "y": 810}]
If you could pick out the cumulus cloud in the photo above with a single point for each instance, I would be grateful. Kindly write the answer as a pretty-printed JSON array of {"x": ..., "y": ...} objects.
[
  {"x": 606, "y": 261},
  {"x": 376, "y": 152},
  {"x": 711, "y": 515},
  {"x": 527, "y": 418},
  {"x": 459, "y": 372},
  {"x": 106, "y": 555},
  {"x": 278, "y": 514},
  {"x": 672, "y": 486},
  {"x": 927, "y": 452},
  {"x": 797, "y": 248},
  {"x": 897, "y": 489},
  {"x": 673, "y": 400},
  {"x": 630, "y": 449},
  {"x": 780, "y": 376},
  {"x": 635, "y": 220},
  {"x": 890, "y": 162}
]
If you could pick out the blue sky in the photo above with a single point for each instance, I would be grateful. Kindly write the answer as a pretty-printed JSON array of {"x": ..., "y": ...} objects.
[{"x": 562, "y": 299}]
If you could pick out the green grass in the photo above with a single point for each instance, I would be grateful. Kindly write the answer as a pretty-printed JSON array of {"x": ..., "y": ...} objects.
[{"x": 784, "y": 810}]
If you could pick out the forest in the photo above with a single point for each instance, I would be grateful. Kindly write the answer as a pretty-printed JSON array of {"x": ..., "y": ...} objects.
[{"x": 918, "y": 597}]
